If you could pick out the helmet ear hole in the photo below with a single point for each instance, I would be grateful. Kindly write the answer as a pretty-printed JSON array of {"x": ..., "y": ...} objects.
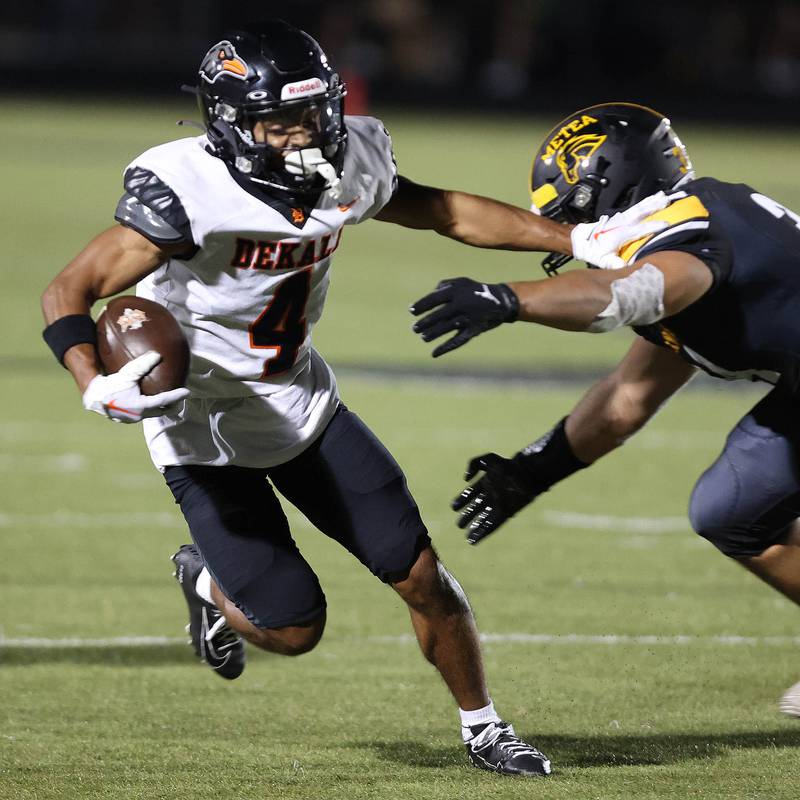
[
  {"x": 225, "y": 112},
  {"x": 223, "y": 138}
]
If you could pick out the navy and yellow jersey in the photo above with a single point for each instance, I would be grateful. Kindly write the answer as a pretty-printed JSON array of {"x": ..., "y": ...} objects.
[{"x": 748, "y": 324}]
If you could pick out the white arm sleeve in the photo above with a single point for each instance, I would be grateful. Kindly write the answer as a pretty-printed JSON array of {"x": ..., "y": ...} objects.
[{"x": 637, "y": 299}]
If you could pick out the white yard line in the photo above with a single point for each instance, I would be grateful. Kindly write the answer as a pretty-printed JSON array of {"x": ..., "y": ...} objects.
[
  {"x": 41, "y": 643},
  {"x": 610, "y": 639},
  {"x": 169, "y": 519},
  {"x": 62, "y": 462},
  {"x": 613, "y": 639},
  {"x": 608, "y": 522}
]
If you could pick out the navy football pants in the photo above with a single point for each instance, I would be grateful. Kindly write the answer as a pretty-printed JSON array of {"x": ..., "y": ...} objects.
[
  {"x": 746, "y": 500},
  {"x": 346, "y": 483}
]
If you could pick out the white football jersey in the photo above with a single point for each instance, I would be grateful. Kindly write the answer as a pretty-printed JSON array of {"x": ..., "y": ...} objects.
[{"x": 248, "y": 299}]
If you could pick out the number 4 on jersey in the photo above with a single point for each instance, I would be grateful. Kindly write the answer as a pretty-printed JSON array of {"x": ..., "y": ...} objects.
[{"x": 281, "y": 326}]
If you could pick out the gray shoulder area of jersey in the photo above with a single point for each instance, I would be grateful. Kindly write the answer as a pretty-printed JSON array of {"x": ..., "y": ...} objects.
[
  {"x": 176, "y": 155},
  {"x": 135, "y": 214},
  {"x": 150, "y": 203},
  {"x": 182, "y": 163},
  {"x": 368, "y": 138}
]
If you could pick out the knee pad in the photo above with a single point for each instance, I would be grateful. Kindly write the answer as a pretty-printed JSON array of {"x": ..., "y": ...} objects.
[
  {"x": 745, "y": 501},
  {"x": 710, "y": 518},
  {"x": 738, "y": 543},
  {"x": 280, "y": 599}
]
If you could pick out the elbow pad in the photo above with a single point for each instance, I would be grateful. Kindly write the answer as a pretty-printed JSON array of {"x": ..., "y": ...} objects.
[{"x": 637, "y": 299}]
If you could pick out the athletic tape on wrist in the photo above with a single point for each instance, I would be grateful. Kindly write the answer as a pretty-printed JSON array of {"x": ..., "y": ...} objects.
[{"x": 68, "y": 331}]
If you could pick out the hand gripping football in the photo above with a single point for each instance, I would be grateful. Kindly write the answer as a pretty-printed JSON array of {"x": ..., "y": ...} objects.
[{"x": 130, "y": 326}]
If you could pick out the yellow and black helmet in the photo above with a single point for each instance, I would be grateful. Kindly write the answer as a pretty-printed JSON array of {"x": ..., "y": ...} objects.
[{"x": 604, "y": 159}]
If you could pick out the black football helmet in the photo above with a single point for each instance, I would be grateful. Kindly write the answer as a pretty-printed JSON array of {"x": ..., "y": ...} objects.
[
  {"x": 601, "y": 160},
  {"x": 275, "y": 74}
]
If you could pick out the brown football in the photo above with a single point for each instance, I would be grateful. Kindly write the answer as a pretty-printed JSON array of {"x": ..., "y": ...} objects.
[{"x": 130, "y": 326}]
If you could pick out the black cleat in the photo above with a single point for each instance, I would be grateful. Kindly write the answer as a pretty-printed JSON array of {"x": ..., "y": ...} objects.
[
  {"x": 495, "y": 747},
  {"x": 213, "y": 640}
]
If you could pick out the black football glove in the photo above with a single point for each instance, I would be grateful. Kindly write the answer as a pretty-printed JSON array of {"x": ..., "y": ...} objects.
[
  {"x": 505, "y": 487},
  {"x": 465, "y": 306},
  {"x": 509, "y": 484}
]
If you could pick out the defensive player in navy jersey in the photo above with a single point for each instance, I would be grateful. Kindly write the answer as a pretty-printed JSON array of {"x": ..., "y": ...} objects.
[
  {"x": 234, "y": 231},
  {"x": 717, "y": 290}
]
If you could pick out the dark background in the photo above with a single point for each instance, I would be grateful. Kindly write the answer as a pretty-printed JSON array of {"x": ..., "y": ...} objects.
[{"x": 706, "y": 58}]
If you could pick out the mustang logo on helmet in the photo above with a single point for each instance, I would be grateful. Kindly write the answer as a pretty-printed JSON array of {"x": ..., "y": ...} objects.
[
  {"x": 222, "y": 59},
  {"x": 575, "y": 152}
]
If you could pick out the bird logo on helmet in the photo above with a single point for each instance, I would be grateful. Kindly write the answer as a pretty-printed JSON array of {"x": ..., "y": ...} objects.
[
  {"x": 222, "y": 58},
  {"x": 604, "y": 159},
  {"x": 274, "y": 77}
]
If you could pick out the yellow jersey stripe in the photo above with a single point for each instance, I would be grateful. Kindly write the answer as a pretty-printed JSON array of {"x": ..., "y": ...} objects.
[{"x": 682, "y": 210}]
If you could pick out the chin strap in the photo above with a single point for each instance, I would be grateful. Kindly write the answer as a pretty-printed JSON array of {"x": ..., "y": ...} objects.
[{"x": 310, "y": 160}]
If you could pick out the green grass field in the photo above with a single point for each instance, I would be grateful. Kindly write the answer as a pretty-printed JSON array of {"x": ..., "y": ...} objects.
[{"x": 86, "y": 529}]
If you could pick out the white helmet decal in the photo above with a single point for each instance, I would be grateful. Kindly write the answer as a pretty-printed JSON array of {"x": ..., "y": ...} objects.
[{"x": 311, "y": 86}]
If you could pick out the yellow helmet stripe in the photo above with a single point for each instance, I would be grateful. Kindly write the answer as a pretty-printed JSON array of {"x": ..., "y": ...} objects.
[{"x": 543, "y": 195}]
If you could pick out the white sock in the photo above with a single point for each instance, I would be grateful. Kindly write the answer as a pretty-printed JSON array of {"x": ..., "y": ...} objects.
[
  {"x": 480, "y": 716},
  {"x": 203, "y": 585}
]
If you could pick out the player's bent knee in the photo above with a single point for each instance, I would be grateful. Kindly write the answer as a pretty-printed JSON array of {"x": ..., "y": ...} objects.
[
  {"x": 709, "y": 512},
  {"x": 292, "y": 640},
  {"x": 429, "y": 586},
  {"x": 735, "y": 539},
  {"x": 421, "y": 577},
  {"x": 733, "y": 543}
]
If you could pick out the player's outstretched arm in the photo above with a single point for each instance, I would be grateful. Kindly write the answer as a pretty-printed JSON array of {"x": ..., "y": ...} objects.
[
  {"x": 611, "y": 411},
  {"x": 474, "y": 220},
  {"x": 581, "y": 300},
  {"x": 112, "y": 262},
  {"x": 620, "y": 404},
  {"x": 658, "y": 286},
  {"x": 484, "y": 222}
]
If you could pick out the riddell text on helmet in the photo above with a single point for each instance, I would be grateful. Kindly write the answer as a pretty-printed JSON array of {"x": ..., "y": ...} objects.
[{"x": 301, "y": 88}]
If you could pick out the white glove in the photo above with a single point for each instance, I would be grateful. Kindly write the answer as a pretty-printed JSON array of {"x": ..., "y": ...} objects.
[
  {"x": 118, "y": 396},
  {"x": 599, "y": 242}
]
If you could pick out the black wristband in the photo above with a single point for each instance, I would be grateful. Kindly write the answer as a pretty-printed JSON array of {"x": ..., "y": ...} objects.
[
  {"x": 549, "y": 459},
  {"x": 68, "y": 331},
  {"x": 510, "y": 301}
]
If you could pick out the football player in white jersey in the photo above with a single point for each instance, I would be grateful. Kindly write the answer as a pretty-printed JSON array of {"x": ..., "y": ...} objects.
[{"x": 233, "y": 231}]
